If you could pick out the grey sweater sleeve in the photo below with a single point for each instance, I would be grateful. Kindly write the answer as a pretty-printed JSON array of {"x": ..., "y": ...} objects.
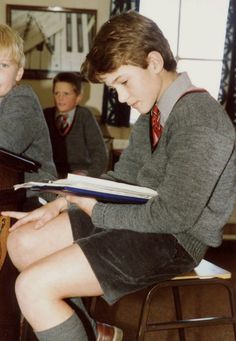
[{"x": 197, "y": 157}]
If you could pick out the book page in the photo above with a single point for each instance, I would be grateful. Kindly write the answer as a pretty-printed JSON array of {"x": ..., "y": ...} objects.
[{"x": 74, "y": 181}]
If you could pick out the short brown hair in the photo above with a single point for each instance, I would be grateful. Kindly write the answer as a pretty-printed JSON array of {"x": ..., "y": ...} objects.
[
  {"x": 126, "y": 39},
  {"x": 74, "y": 78},
  {"x": 12, "y": 44}
]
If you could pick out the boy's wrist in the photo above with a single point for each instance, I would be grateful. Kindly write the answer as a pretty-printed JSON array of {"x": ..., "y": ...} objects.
[
  {"x": 90, "y": 207},
  {"x": 63, "y": 203}
]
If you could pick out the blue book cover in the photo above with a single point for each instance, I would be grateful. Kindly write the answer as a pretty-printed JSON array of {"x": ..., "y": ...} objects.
[{"x": 102, "y": 190}]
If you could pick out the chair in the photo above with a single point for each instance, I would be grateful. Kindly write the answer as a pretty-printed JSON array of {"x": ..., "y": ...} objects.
[
  {"x": 206, "y": 274},
  {"x": 12, "y": 168}
]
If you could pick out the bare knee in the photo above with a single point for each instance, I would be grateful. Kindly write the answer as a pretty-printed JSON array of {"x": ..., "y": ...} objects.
[
  {"x": 20, "y": 246},
  {"x": 25, "y": 290},
  {"x": 30, "y": 288},
  {"x": 35, "y": 291}
]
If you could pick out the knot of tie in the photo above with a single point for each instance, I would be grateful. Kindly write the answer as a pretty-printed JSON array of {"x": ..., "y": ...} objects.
[
  {"x": 156, "y": 125},
  {"x": 62, "y": 124}
]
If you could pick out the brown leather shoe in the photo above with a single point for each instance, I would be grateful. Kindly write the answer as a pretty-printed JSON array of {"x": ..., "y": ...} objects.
[{"x": 108, "y": 333}]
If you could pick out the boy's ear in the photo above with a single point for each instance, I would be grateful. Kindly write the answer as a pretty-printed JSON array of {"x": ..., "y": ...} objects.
[
  {"x": 155, "y": 61},
  {"x": 19, "y": 74},
  {"x": 79, "y": 98}
]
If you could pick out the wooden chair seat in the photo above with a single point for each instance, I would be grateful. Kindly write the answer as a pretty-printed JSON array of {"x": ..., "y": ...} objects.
[{"x": 205, "y": 273}]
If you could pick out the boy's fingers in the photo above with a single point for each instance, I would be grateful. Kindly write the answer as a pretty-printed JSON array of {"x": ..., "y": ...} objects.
[
  {"x": 13, "y": 227},
  {"x": 22, "y": 218},
  {"x": 39, "y": 224},
  {"x": 20, "y": 222},
  {"x": 14, "y": 214}
]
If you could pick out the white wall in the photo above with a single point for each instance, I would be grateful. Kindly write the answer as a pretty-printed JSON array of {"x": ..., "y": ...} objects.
[
  {"x": 93, "y": 92},
  {"x": 201, "y": 36}
]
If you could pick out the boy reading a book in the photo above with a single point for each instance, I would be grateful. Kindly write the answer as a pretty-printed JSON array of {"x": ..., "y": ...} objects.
[{"x": 92, "y": 248}]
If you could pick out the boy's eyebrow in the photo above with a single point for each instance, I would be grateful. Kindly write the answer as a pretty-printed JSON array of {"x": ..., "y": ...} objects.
[
  {"x": 6, "y": 58},
  {"x": 116, "y": 80}
]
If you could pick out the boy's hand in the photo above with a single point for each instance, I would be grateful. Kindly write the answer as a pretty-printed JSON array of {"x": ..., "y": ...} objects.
[
  {"x": 84, "y": 203},
  {"x": 41, "y": 215}
]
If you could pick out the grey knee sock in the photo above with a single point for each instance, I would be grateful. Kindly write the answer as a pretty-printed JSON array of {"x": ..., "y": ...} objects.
[
  {"x": 70, "y": 330},
  {"x": 79, "y": 303}
]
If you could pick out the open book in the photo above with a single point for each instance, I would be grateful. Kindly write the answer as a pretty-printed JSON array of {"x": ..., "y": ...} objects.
[{"x": 104, "y": 190}]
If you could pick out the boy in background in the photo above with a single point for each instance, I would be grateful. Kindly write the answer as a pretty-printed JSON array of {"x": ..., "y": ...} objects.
[
  {"x": 77, "y": 142},
  {"x": 182, "y": 146}
]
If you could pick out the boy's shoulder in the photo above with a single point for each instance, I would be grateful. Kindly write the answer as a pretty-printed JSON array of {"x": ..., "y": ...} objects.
[
  {"x": 200, "y": 109},
  {"x": 83, "y": 109},
  {"x": 21, "y": 96},
  {"x": 21, "y": 90},
  {"x": 199, "y": 105},
  {"x": 83, "y": 112}
]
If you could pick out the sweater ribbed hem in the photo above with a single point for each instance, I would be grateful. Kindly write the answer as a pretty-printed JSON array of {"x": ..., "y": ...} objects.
[{"x": 195, "y": 248}]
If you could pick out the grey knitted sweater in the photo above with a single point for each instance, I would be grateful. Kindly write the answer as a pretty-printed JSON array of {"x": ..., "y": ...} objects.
[
  {"x": 83, "y": 148},
  {"x": 193, "y": 170},
  {"x": 24, "y": 131}
]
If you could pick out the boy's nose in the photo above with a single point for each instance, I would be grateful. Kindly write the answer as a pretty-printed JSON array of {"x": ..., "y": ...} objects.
[{"x": 122, "y": 96}]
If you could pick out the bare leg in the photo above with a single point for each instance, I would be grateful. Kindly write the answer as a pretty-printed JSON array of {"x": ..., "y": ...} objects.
[
  {"x": 42, "y": 287},
  {"x": 27, "y": 245},
  {"x": 53, "y": 268}
]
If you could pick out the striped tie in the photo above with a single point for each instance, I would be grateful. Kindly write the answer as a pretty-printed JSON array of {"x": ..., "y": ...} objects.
[
  {"x": 62, "y": 124},
  {"x": 156, "y": 126}
]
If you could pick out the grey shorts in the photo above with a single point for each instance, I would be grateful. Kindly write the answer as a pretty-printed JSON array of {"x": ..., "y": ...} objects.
[{"x": 125, "y": 261}]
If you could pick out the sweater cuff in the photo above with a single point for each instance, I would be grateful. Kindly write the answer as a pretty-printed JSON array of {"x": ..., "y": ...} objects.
[{"x": 98, "y": 214}]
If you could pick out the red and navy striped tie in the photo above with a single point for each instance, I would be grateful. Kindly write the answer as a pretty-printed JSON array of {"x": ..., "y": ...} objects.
[{"x": 156, "y": 126}]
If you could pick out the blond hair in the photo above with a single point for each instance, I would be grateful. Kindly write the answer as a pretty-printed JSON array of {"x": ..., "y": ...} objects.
[{"x": 12, "y": 44}]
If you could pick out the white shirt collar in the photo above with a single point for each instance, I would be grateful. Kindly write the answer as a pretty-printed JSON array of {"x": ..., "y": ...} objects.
[
  {"x": 70, "y": 115},
  {"x": 172, "y": 94}
]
